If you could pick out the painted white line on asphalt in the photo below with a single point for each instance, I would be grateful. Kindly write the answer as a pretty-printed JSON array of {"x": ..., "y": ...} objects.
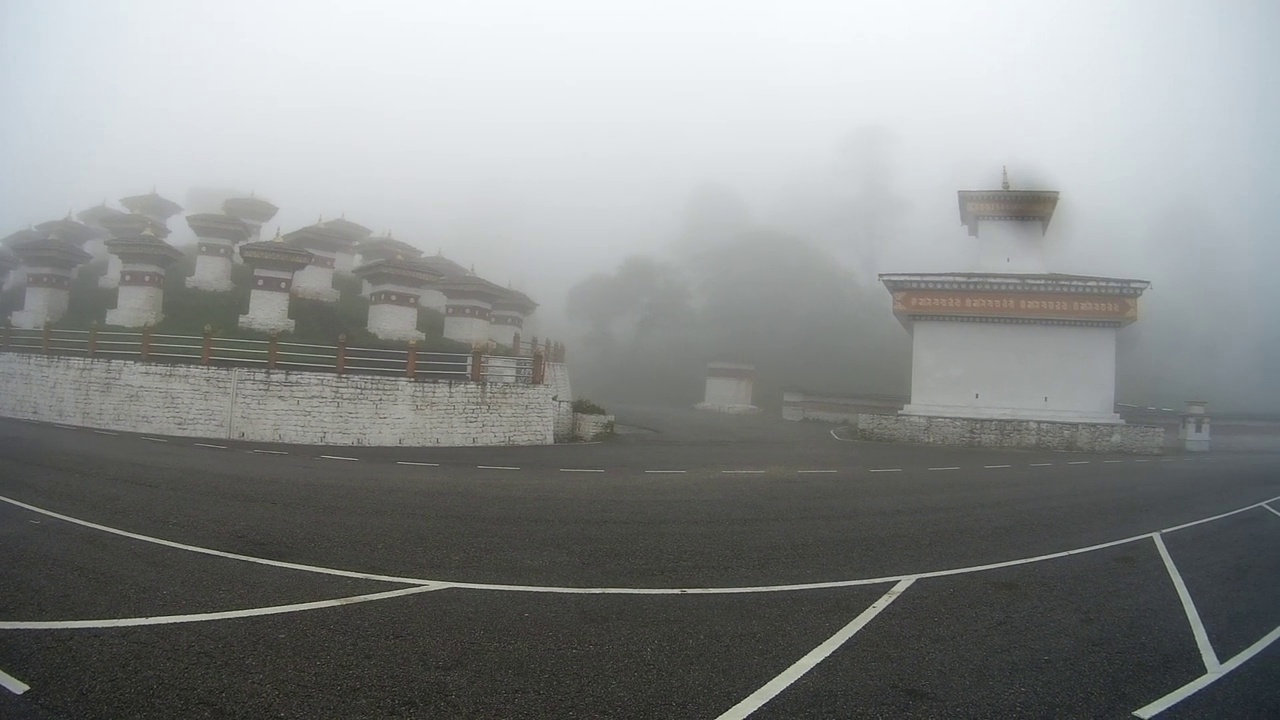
[
  {"x": 1142, "y": 461},
  {"x": 625, "y": 590},
  {"x": 1168, "y": 459},
  {"x": 666, "y": 472},
  {"x": 208, "y": 445},
  {"x": 338, "y": 457},
  {"x": 885, "y": 470},
  {"x": 1207, "y": 654},
  {"x": 1207, "y": 679},
  {"x": 496, "y": 467},
  {"x": 583, "y": 470},
  {"x": 834, "y": 435},
  {"x": 106, "y": 432},
  {"x": 1112, "y": 462},
  {"x": 13, "y": 684},
  {"x": 205, "y": 617},
  {"x": 950, "y": 467},
  {"x": 66, "y": 427},
  {"x": 993, "y": 467},
  {"x": 151, "y": 439},
  {"x": 770, "y": 690},
  {"x": 218, "y": 553},
  {"x": 271, "y": 452},
  {"x": 419, "y": 464},
  {"x": 1077, "y": 462},
  {"x": 741, "y": 472},
  {"x": 816, "y": 472},
  {"x": 1039, "y": 464},
  {"x": 1273, "y": 510}
]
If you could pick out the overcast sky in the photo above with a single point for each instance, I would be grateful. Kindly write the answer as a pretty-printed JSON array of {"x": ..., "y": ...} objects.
[{"x": 545, "y": 140}]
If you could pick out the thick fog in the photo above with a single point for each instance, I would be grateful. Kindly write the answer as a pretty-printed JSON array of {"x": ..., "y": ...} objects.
[{"x": 760, "y": 162}]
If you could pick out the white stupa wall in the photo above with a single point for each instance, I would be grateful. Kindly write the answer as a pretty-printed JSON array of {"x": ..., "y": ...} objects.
[
  {"x": 433, "y": 299},
  {"x": 268, "y": 302},
  {"x": 467, "y": 321},
  {"x": 140, "y": 297},
  {"x": 112, "y": 277},
  {"x": 344, "y": 262},
  {"x": 17, "y": 278},
  {"x": 393, "y": 312},
  {"x": 1013, "y": 371},
  {"x": 213, "y": 267},
  {"x": 728, "y": 391},
  {"x": 315, "y": 281},
  {"x": 1010, "y": 246},
  {"x": 503, "y": 327},
  {"x": 43, "y": 303}
]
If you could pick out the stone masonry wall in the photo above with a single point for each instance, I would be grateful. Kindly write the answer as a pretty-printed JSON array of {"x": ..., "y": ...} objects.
[
  {"x": 1029, "y": 434},
  {"x": 272, "y": 405},
  {"x": 558, "y": 380}
]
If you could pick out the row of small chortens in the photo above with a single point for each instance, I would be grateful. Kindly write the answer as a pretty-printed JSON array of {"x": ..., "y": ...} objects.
[{"x": 397, "y": 278}]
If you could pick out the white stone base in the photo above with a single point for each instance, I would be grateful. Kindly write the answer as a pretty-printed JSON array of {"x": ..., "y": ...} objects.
[
  {"x": 979, "y": 413},
  {"x": 212, "y": 274},
  {"x": 1024, "y": 434},
  {"x": 329, "y": 295},
  {"x": 268, "y": 309},
  {"x": 249, "y": 322},
  {"x": 728, "y": 409},
  {"x": 26, "y": 320},
  {"x": 41, "y": 305},
  {"x": 470, "y": 330},
  {"x": 315, "y": 283},
  {"x": 133, "y": 317},
  {"x": 112, "y": 278}
]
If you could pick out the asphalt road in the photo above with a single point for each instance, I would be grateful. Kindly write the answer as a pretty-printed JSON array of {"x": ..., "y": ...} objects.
[{"x": 710, "y": 567}]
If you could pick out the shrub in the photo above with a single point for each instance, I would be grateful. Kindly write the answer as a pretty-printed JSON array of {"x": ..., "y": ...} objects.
[{"x": 586, "y": 407}]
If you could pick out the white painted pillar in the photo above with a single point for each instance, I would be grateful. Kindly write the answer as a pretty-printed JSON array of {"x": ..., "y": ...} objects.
[
  {"x": 47, "y": 296},
  {"x": 504, "y": 325},
  {"x": 315, "y": 281},
  {"x": 393, "y": 312},
  {"x": 140, "y": 298},
  {"x": 269, "y": 301},
  {"x": 213, "y": 266},
  {"x": 112, "y": 277},
  {"x": 467, "y": 320}
]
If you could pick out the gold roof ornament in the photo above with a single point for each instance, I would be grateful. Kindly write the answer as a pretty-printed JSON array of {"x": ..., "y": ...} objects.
[{"x": 277, "y": 238}]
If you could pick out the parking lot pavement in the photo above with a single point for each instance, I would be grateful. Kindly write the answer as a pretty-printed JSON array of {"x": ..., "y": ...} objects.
[{"x": 259, "y": 585}]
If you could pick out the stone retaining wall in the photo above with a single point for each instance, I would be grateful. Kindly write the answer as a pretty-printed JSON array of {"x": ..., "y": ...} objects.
[
  {"x": 1028, "y": 434},
  {"x": 272, "y": 405}
]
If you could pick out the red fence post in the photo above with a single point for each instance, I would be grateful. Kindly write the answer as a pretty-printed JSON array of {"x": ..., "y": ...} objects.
[
  {"x": 539, "y": 368},
  {"x": 411, "y": 360},
  {"x": 340, "y": 362},
  {"x": 144, "y": 350},
  {"x": 477, "y": 366},
  {"x": 45, "y": 337},
  {"x": 91, "y": 346},
  {"x": 206, "y": 350},
  {"x": 273, "y": 350},
  {"x": 515, "y": 344}
]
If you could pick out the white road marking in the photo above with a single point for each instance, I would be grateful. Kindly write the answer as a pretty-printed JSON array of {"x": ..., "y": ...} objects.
[
  {"x": 624, "y": 590},
  {"x": 271, "y": 452},
  {"x": 205, "y": 617},
  {"x": 338, "y": 457},
  {"x": 1112, "y": 462},
  {"x": 951, "y": 467},
  {"x": 208, "y": 445},
  {"x": 582, "y": 470},
  {"x": 419, "y": 464},
  {"x": 1204, "y": 681},
  {"x": 1077, "y": 462},
  {"x": 815, "y": 472},
  {"x": 741, "y": 472},
  {"x": 1207, "y": 654},
  {"x": 1273, "y": 510},
  {"x": 834, "y": 435},
  {"x": 666, "y": 472},
  {"x": 885, "y": 470},
  {"x": 66, "y": 427},
  {"x": 1142, "y": 461},
  {"x": 1039, "y": 464},
  {"x": 1168, "y": 459},
  {"x": 496, "y": 467},
  {"x": 106, "y": 432},
  {"x": 993, "y": 467},
  {"x": 770, "y": 690},
  {"x": 13, "y": 684},
  {"x": 151, "y": 439}
]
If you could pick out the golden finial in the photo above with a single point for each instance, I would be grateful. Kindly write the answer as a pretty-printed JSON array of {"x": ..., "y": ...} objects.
[
  {"x": 1004, "y": 177},
  {"x": 277, "y": 237}
]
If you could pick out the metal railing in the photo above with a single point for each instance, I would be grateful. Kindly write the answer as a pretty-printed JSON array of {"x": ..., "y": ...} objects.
[{"x": 273, "y": 354}]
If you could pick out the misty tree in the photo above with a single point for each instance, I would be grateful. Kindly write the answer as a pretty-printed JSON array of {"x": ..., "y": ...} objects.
[{"x": 713, "y": 214}]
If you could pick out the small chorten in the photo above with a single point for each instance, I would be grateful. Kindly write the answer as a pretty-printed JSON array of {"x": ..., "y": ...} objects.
[
  {"x": 140, "y": 299},
  {"x": 50, "y": 264},
  {"x": 274, "y": 264},
  {"x": 217, "y": 235},
  {"x": 394, "y": 296}
]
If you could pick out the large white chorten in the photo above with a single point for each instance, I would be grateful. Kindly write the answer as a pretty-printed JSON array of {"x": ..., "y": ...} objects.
[{"x": 1012, "y": 340}]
